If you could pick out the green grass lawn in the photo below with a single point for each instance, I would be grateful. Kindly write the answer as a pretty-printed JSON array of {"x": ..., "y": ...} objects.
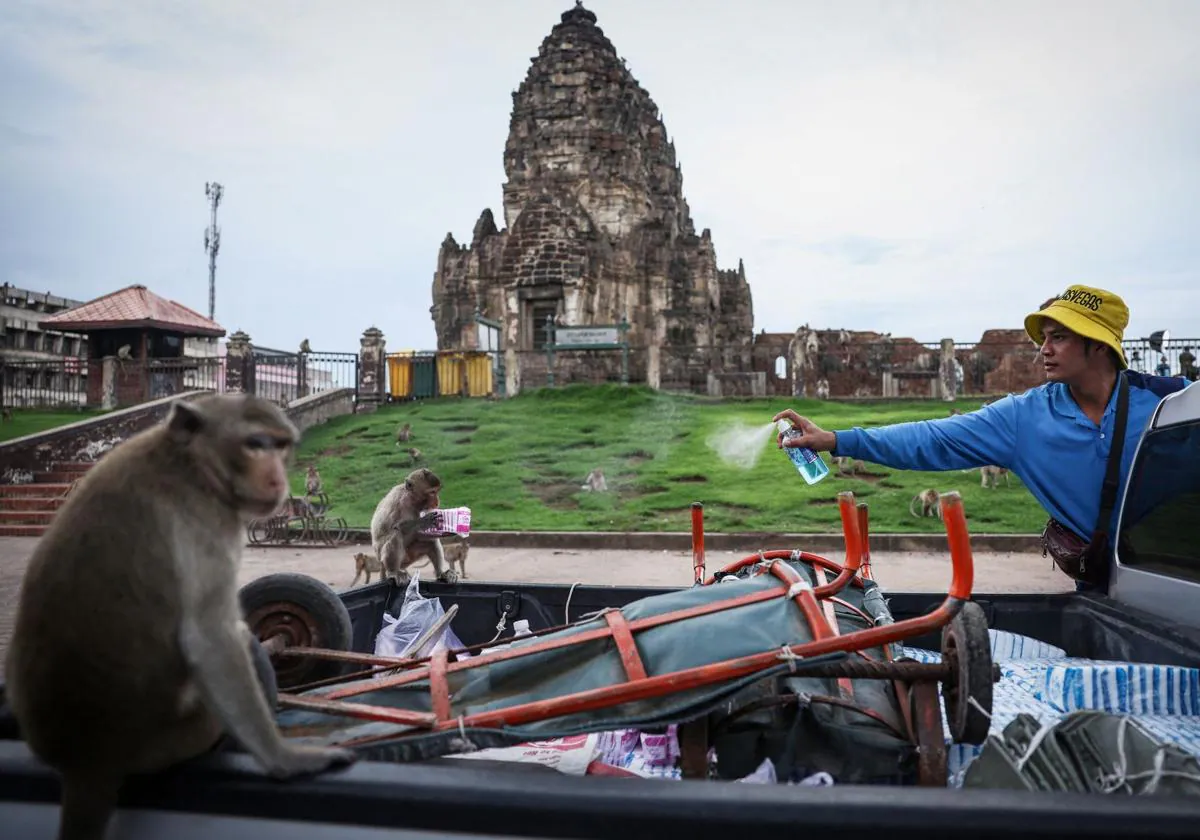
[
  {"x": 519, "y": 463},
  {"x": 32, "y": 421}
]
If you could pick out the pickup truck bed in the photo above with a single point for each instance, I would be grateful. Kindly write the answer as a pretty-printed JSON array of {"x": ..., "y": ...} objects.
[{"x": 488, "y": 799}]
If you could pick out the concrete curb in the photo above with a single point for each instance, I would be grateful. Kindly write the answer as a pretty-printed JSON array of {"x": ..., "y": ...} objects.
[{"x": 824, "y": 543}]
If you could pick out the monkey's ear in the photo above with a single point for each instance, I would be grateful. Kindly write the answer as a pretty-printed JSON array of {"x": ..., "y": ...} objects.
[{"x": 184, "y": 420}]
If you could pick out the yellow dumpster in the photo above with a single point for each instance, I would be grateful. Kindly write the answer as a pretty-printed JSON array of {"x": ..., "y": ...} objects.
[
  {"x": 479, "y": 374},
  {"x": 450, "y": 373},
  {"x": 400, "y": 378}
]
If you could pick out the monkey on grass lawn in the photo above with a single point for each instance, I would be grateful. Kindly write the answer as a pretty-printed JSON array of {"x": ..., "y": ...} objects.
[
  {"x": 158, "y": 667},
  {"x": 397, "y": 522},
  {"x": 404, "y": 434},
  {"x": 931, "y": 504}
]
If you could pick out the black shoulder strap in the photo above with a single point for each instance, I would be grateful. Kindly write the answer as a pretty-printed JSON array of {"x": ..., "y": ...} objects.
[{"x": 1112, "y": 476}]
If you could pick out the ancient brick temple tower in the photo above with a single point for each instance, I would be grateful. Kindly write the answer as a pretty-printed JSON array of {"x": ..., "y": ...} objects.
[{"x": 596, "y": 225}]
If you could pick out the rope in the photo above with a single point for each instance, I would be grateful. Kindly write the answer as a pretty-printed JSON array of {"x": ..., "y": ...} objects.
[
  {"x": 788, "y": 656},
  {"x": 1121, "y": 777},
  {"x": 567, "y": 608},
  {"x": 500, "y": 625}
]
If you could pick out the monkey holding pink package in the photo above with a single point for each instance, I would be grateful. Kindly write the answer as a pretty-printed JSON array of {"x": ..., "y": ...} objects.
[{"x": 451, "y": 522}]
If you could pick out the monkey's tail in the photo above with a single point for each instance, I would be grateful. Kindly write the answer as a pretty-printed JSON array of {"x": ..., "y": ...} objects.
[
  {"x": 910, "y": 506},
  {"x": 88, "y": 804}
]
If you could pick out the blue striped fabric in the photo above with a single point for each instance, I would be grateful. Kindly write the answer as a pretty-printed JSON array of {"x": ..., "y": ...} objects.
[
  {"x": 1071, "y": 685},
  {"x": 1040, "y": 680}
]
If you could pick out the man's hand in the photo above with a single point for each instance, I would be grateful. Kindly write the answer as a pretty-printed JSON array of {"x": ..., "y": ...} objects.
[{"x": 811, "y": 435}]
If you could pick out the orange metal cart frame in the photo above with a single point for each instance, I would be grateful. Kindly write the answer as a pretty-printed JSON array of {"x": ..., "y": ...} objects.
[{"x": 639, "y": 685}]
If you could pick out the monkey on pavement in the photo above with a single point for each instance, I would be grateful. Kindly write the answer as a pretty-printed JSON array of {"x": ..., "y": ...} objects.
[
  {"x": 931, "y": 505},
  {"x": 398, "y": 520},
  {"x": 456, "y": 558},
  {"x": 158, "y": 668}
]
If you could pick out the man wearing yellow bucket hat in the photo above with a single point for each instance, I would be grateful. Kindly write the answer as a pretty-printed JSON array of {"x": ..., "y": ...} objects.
[{"x": 1056, "y": 437}]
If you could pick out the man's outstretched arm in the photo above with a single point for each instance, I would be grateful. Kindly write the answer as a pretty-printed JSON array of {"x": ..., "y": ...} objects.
[{"x": 986, "y": 436}]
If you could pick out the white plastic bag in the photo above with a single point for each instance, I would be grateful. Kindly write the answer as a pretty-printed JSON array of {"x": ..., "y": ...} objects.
[{"x": 417, "y": 614}]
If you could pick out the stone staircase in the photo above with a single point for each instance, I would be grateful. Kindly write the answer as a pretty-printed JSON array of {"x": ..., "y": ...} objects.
[{"x": 26, "y": 509}]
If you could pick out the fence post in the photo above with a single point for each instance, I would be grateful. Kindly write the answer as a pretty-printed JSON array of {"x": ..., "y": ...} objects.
[
  {"x": 512, "y": 372},
  {"x": 239, "y": 364},
  {"x": 654, "y": 366},
  {"x": 108, "y": 383},
  {"x": 948, "y": 379},
  {"x": 372, "y": 378}
]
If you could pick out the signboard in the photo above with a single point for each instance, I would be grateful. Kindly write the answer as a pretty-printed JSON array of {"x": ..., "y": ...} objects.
[{"x": 586, "y": 336}]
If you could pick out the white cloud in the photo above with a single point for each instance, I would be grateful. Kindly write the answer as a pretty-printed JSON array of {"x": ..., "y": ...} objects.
[{"x": 927, "y": 169}]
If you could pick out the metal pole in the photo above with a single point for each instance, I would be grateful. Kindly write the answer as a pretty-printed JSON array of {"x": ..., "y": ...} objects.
[
  {"x": 550, "y": 351},
  {"x": 624, "y": 327},
  {"x": 212, "y": 242}
]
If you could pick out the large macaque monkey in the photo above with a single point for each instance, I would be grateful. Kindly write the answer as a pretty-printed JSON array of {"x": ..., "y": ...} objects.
[
  {"x": 158, "y": 667},
  {"x": 398, "y": 520}
]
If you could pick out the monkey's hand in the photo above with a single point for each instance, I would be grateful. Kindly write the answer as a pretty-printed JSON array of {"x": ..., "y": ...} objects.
[
  {"x": 306, "y": 759},
  {"x": 811, "y": 435},
  {"x": 448, "y": 576}
]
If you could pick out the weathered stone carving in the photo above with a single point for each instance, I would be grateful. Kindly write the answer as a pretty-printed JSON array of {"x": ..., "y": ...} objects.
[
  {"x": 595, "y": 223},
  {"x": 372, "y": 375}
]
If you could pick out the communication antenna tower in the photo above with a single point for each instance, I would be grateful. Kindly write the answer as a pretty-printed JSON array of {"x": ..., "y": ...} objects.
[{"x": 212, "y": 242}]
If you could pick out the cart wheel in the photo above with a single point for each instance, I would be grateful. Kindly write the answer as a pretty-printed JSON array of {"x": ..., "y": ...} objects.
[
  {"x": 307, "y": 613},
  {"x": 967, "y": 649}
]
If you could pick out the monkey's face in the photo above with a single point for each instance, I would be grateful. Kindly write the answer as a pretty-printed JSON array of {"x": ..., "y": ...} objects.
[
  {"x": 241, "y": 447},
  {"x": 425, "y": 487}
]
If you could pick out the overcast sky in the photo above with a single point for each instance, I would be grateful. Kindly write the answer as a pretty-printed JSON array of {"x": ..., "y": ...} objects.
[{"x": 926, "y": 169}]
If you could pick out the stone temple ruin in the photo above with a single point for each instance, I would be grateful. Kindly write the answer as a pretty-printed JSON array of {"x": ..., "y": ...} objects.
[{"x": 596, "y": 230}]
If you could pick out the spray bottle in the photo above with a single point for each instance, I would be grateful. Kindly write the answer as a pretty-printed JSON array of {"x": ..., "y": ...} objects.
[{"x": 809, "y": 463}]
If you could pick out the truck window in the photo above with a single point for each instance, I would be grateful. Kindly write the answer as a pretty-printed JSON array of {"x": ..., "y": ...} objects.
[{"x": 1161, "y": 519}]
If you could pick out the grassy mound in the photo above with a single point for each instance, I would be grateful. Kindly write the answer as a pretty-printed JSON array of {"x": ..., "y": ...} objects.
[{"x": 519, "y": 464}]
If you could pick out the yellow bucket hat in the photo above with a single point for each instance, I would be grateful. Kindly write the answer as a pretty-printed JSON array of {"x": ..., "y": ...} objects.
[{"x": 1093, "y": 313}]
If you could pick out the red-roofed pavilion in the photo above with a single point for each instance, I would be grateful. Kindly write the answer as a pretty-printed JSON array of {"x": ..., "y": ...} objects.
[{"x": 151, "y": 326}]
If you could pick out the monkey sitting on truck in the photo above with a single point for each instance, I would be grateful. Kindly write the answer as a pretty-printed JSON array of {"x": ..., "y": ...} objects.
[{"x": 158, "y": 668}]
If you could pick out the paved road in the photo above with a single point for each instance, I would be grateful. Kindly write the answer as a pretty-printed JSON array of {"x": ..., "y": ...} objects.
[{"x": 907, "y": 571}]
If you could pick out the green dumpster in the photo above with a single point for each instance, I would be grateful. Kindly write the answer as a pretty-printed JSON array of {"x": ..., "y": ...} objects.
[{"x": 424, "y": 376}]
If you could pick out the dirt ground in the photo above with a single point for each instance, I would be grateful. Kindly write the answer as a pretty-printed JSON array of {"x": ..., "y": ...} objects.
[{"x": 907, "y": 571}]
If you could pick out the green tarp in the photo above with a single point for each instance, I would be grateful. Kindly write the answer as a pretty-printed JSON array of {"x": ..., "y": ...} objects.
[{"x": 740, "y": 631}]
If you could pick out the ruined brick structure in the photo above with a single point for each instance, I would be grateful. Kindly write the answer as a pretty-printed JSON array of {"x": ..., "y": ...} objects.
[
  {"x": 596, "y": 227},
  {"x": 836, "y": 364}
]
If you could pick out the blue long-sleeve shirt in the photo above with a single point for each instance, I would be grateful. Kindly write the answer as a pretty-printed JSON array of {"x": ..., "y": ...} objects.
[{"x": 1041, "y": 435}]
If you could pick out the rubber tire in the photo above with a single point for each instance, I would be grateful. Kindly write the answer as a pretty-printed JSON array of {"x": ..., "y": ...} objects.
[
  {"x": 326, "y": 612},
  {"x": 965, "y": 643}
]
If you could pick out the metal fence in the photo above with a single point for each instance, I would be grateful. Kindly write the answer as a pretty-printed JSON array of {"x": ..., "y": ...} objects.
[
  {"x": 1175, "y": 357},
  {"x": 286, "y": 377},
  {"x": 44, "y": 383},
  {"x": 70, "y": 382}
]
